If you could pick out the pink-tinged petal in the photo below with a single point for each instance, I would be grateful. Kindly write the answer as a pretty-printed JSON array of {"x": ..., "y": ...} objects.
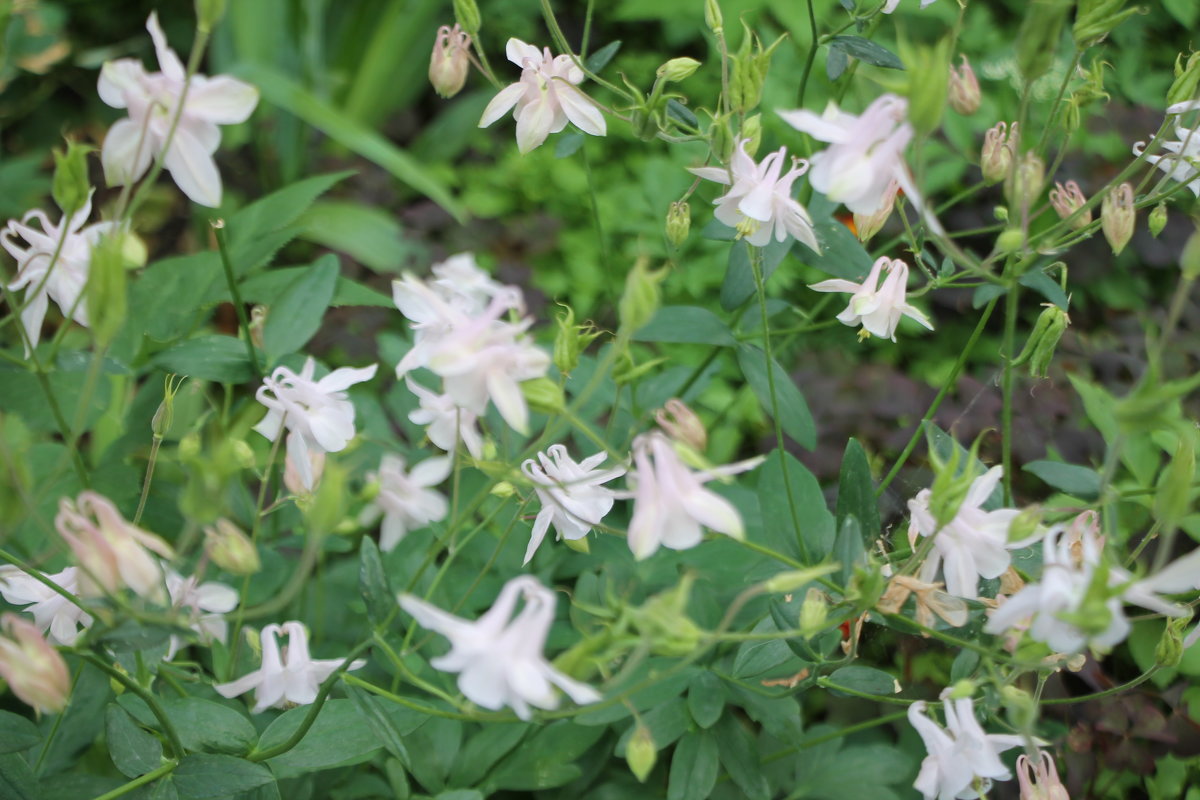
[
  {"x": 982, "y": 487},
  {"x": 193, "y": 168},
  {"x": 714, "y": 512},
  {"x": 540, "y": 525},
  {"x": 345, "y": 377},
  {"x": 510, "y": 402},
  {"x": 32, "y": 317},
  {"x": 216, "y": 597},
  {"x": 836, "y": 285},
  {"x": 119, "y": 77},
  {"x": 501, "y": 103},
  {"x": 126, "y": 153},
  {"x": 168, "y": 62},
  {"x": 534, "y": 122},
  {"x": 517, "y": 51},
  {"x": 717, "y": 174},
  {"x": 962, "y": 579},
  {"x": 817, "y": 126},
  {"x": 221, "y": 99},
  {"x": 583, "y": 113},
  {"x": 241, "y": 685},
  {"x": 1181, "y": 575}
]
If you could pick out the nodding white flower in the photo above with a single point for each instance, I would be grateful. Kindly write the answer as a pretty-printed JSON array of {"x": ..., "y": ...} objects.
[
  {"x": 1183, "y": 155},
  {"x": 545, "y": 97},
  {"x": 1039, "y": 780},
  {"x": 318, "y": 415},
  {"x": 670, "y": 503},
  {"x": 152, "y": 99},
  {"x": 571, "y": 494},
  {"x": 498, "y": 657},
  {"x": 759, "y": 202},
  {"x": 877, "y": 308},
  {"x": 450, "y": 61},
  {"x": 1071, "y": 564},
  {"x": 206, "y": 604},
  {"x": 974, "y": 544},
  {"x": 963, "y": 760},
  {"x": 112, "y": 552},
  {"x": 65, "y": 283},
  {"x": 33, "y": 669},
  {"x": 293, "y": 677},
  {"x": 52, "y": 613},
  {"x": 406, "y": 500},
  {"x": 890, "y": 5},
  {"x": 446, "y": 423}
]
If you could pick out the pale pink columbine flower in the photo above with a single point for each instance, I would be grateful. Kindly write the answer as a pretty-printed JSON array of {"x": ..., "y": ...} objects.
[
  {"x": 964, "y": 94},
  {"x": 294, "y": 677},
  {"x": 112, "y": 553},
  {"x": 1183, "y": 155},
  {"x": 446, "y": 424},
  {"x": 67, "y": 280},
  {"x": 877, "y": 308},
  {"x": 759, "y": 203},
  {"x": 1067, "y": 199},
  {"x": 450, "y": 61},
  {"x": 1039, "y": 780},
  {"x": 499, "y": 657},
  {"x": 206, "y": 605},
  {"x": 317, "y": 414},
  {"x": 670, "y": 504},
  {"x": 545, "y": 97},
  {"x": 52, "y": 613},
  {"x": 963, "y": 760},
  {"x": 572, "y": 495},
  {"x": 33, "y": 669},
  {"x": 973, "y": 545},
  {"x": 406, "y": 499},
  {"x": 152, "y": 99}
]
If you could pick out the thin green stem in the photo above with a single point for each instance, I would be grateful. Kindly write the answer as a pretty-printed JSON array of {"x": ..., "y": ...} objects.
[
  {"x": 1006, "y": 384},
  {"x": 156, "y": 442},
  {"x": 141, "y": 780},
  {"x": 146, "y": 695},
  {"x": 811, "y": 58},
  {"x": 878, "y": 698},
  {"x": 243, "y": 320},
  {"x": 1083, "y": 698}
]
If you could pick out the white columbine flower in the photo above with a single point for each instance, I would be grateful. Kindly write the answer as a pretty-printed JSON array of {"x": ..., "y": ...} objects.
[
  {"x": 52, "y": 613},
  {"x": 446, "y": 423},
  {"x": 890, "y": 5},
  {"x": 152, "y": 99},
  {"x": 545, "y": 97},
  {"x": 571, "y": 494},
  {"x": 318, "y": 415},
  {"x": 877, "y": 308},
  {"x": 206, "y": 604},
  {"x": 974, "y": 544},
  {"x": 406, "y": 500},
  {"x": 67, "y": 280},
  {"x": 759, "y": 202},
  {"x": 294, "y": 677},
  {"x": 670, "y": 503},
  {"x": 498, "y": 657},
  {"x": 963, "y": 760},
  {"x": 1180, "y": 165}
]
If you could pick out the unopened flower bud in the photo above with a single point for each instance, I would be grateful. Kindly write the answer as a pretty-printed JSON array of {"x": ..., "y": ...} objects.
[
  {"x": 678, "y": 69},
  {"x": 1189, "y": 259},
  {"x": 107, "y": 288},
  {"x": 961, "y": 690},
  {"x": 749, "y": 71},
  {"x": 712, "y": 16},
  {"x": 679, "y": 222},
  {"x": 1039, "y": 781},
  {"x": 1025, "y": 524},
  {"x": 790, "y": 581},
  {"x": 1010, "y": 240},
  {"x": 867, "y": 225},
  {"x": 1117, "y": 217},
  {"x": 1169, "y": 651},
  {"x": 450, "y": 61},
  {"x": 1022, "y": 709},
  {"x": 133, "y": 250},
  {"x": 70, "y": 186},
  {"x": 999, "y": 144},
  {"x": 209, "y": 13},
  {"x": 1157, "y": 220},
  {"x": 165, "y": 415},
  {"x": 964, "y": 94},
  {"x": 752, "y": 134},
  {"x": 641, "y": 752},
  {"x": 642, "y": 297},
  {"x": 682, "y": 424},
  {"x": 814, "y": 613},
  {"x": 1067, "y": 199},
  {"x": 34, "y": 670},
  {"x": 1187, "y": 80},
  {"x": 1024, "y": 184},
  {"x": 230, "y": 549},
  {"x": 466, "y": 14},
  {"x": 504, "y": 489},
  {"x": 543, "y": 395},
  {"x": 1043, "y": 339}
]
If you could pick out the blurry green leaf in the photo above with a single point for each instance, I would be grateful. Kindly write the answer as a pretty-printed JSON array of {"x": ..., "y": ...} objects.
[
  {"x": 372, "y": 582},
  {"x": 681, "y": 113},
  {"x": 864, "y": 679},
  {"x": 278, "y": 210},
  {"x": 1046, "y": 286},
  {"x": 693, "y": 767},
  {"x": 545, "y": 759},
  {"x": 849, "y": 547},
  {"x": 396, "y": 42},
  {"x": 686, "y": 324},
  {"x": 211, "y": 358},
  {"x": 816, "y": 523},
  {"x": 17, "y": 781},
  {"x": 598, "y": 60},
  {"x": 282, "y": 91},
  {"x": 16, "y": 733},
  {"x": 1187, "y": 12},
  {"x": 964, "y": 665},
  {"x": 836, "y": 62},
  {"x": 370, "y": 236},
  {"x": 666, "y": 724},
  {"x": 738, "y": 286},
  {"x": 739, "y": 755},
  {"x": 379, "y": 722},
  {"x": 856, "y": 491},
  {"x": 568, "y": 144},
  {"x": 337, "y": 738},
  {"x": 706, "y": 699},
  {"x": 866, "y": 51},
  {"x": 267, "y": 287},
  {"x": 204, "y": 777},
  {"x": 209, "y": 726},
  {"x": 986, "y": 293},
  {"x": 134, "y": 751},
  {"x": 1069, "y": 478},
  {"x": 794, "y": 416},
  {"x": 484, "y": 749},
  {"x": 297, "y": 315}
]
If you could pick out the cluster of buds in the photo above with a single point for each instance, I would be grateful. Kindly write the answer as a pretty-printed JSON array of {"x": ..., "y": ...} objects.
[
  {"x": 749, "y": 71},
  {"x": 1039, "y": 347},
  {"x": 1067, "y": 199},
  {"x": 1117, "y": 217},
  {"x": 999, "y": 146}
]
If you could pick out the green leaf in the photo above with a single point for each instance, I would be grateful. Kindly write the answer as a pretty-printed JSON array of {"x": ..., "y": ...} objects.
[
  {"x": 434, "y": 751},
  {"x": 666, "y": 722},
  {"x": 867, "y": 51},
  {"x": 856, "y": 492},
  {"x": 180, "y": 284},
  {"x": 706, "y": 699},
  {"x": 738, "y": 286},
  {"x": 836, "y": 62},
  {"x": 598, "y": 60},
  {"x": 693, "y": 767},
  {"x": 1069, "y": 478},
  {"x": 686, "y": 325},
  {"x": 484, "y": 749},
  {"x": 849, "y": 548},
  {"x": 964, "y": 665},
  {"x": 369, "y": 235},
  {"x": 379, "y": 722},
  {"x": 373, "y": 583},
  {"x": 1046, "y": 286},
  {"x": 211, "y": 358},
  {"x": 816, "y": 523},
  {"x": 17, "y": 733},
  {"x": 208, "y": 726},
  {"x": 337, "y": 738},
  {"x": 282, "y": 91},
  {"x": 842, "y": 254},
  {"x": 17, "y": 781},
  {"x": 296, "y": 316},
  {"x": 794, "y": 416},
  {"x": 134, "y": 751},
  {"x": 864, "y": 679},
  {"x": 202, "y": 776},
  {"x": 460, "y": 794},
  {"x": 266, "y": 288},
  {"x": 280, "y": 208},
  {"x": 568, "y": 144},
  {"x": 1185, "y": 11},
  {"x": 681, "y": 113},
  {"x": 544, "y": 760},
  {"x": 739, "y": 756}
]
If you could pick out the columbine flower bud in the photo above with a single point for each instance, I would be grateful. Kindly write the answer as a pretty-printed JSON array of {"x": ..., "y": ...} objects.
[
  {"x": 1025, "y": 523},
  {"x": 1022, "y": 709},
  {"x": 964, "y": 94},
  {"x": 543, "y": 395},
  {"x": 165, "y": 415},
  {"x": 999, "y": 144},
  {"x": 1067, "y": 199},
  {"x": 682, "y": 424},
  {"x": 1187, "y": 80},
  {"x": 1157, "y": 220},
  {"x": 641, "y": 298},
  {"x": 209, "y": 13},
  {"x": 1117, "y": 217},
  {"x": 450, "y": 62},
  {"x": 814, "y": 613},
  {"x": 750, "y": 66},
  {"x": 752, "y": 134},
  {"x": 641, "y": 752},
  {"x": 1039, "y": 347},
  {"x": 230, "y": 549},
  {"x": 1189, "y": 259},
  {"x": 867, "y": 225},
  {"x": 70, "y": 188},
  {"x": 466, "y": 15},
  {"x": 1024, "y": 184},
  {"x": 1040, "y": 781},
  {"x": 1169, "y": 651},
  {"x": 712, "y": 16},
  {"x": 34, "y": 670},
  {"x": 678, "y": 69},
  {"x": 791, "y": 580},
  {"x": 679, "y": 222}
]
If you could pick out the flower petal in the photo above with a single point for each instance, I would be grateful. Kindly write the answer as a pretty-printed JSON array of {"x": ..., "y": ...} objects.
[
  {"x": 193, "y": 168},
  {"x": 221, "y": 99}
]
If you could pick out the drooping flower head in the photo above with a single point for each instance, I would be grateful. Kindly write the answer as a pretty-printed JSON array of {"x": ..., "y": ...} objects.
[
  {"x": 759, "y": 203},
  {"x": 406, "y": 499},
  {"x": 545, "y": 97},
  {"x": 963, "y": 760},
  {"x": 1182, "y": 156},
  {"x": 152, "y": 99},
  {"x": 33, "y": 669},
  {"x": 54, "y": 614},
  {"x": 446, "y": 424},
  {"x": 572, "y": 495},
  {"x": 317, "y": 413},
  {"x": 498, "y": 657},
  {"x": 877, "y": 308},
  {"x": 450, "y": 61},
  {"x": 205, "y": 605}
]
